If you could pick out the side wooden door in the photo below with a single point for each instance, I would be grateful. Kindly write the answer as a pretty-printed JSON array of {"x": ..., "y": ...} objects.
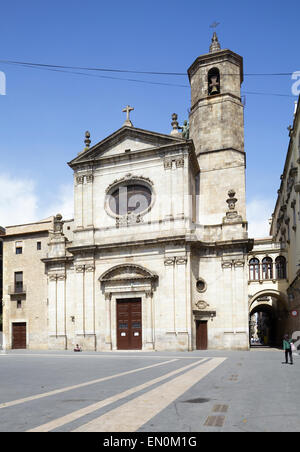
[
  {"x": 19, "y": 335},
  {"x": 201, "y": 334}
]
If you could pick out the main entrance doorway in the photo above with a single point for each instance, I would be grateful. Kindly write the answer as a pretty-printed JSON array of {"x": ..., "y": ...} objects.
[
  {"x": 201, "y": 334},
  {"x": 19, "y": 335},
  {"x": 129, "y": 324}
]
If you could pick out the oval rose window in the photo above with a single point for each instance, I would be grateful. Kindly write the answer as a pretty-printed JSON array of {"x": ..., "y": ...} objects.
[{"x": 125, "y": 199}]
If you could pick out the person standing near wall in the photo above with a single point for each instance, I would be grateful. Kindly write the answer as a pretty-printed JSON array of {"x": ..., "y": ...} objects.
[{"x": 287, "y": 347}]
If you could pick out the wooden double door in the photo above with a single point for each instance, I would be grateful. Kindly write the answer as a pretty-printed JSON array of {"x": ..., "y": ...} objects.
[{"x": 129, "y": 324}]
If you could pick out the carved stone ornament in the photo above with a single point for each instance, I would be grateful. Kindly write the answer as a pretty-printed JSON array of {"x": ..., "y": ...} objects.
[
  {"x": 167, "y": 163},
  {"x": 128, "y": 220},
  {"x": 201, "y": 304},
  {"x": 58, "y": 224},
  {"x": 128, "y": 178},
  {"x": 52, "y": 277},
  {"x": 79, "y": 179},
  {"x": 179, "y": 162},
  {"x": 238, "y": 263},
  {"x": 181, "y": 260},
  {"x": 169, "y": 261},
  {"x": 89, "y": 268},
  {"x": 231, "y": 214},
  {"x": 226, "y": 264},
  {"x": 89, "y": 178},
  {"x": 79, "y": 268}
]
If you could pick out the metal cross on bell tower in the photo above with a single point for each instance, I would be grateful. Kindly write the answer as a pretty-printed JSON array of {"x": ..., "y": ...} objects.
[{"x": 127, "y": 110}]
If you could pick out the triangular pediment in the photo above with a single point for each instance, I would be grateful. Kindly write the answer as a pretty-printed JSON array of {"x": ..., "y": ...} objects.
[{"x": 126, "y": 139}]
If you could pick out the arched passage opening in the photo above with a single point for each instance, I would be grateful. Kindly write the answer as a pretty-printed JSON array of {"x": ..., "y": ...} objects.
[{"x": 267, "y": 318}]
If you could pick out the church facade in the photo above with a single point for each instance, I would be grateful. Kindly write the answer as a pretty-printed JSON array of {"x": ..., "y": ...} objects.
[{"x": 156, "y": 255}]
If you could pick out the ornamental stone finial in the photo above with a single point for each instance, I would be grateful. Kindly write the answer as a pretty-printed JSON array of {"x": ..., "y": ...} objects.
[
  {"x": 215, "y": 45},
  {"x": 87, "y": 140},
  {"x": 58, "y": 224},
  {"x": 175, "y": 125}
]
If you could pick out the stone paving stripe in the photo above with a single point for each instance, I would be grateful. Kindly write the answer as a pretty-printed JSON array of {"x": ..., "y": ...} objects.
[
  {"x": 130, "y": 416},
  {"x": 80, "y": 385},
  {"x": 109, "y": 355},
  {"x": 214, "y": 421},
  {"x": 220, "y": 409},
  {"x": 96, "y": 406}
]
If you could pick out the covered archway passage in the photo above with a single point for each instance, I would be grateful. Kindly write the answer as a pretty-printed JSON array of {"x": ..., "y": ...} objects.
[{"x": 267, "y": 318}]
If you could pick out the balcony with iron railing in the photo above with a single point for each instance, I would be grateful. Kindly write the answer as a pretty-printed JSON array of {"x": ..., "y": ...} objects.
[{"x": 17, "y": 289}]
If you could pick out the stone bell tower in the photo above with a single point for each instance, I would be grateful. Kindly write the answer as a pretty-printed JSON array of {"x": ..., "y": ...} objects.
[{"x": 217, "y": 130}]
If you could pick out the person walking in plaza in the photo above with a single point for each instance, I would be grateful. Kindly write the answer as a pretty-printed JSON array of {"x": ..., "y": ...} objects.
[{"x": 287, "y": 347}]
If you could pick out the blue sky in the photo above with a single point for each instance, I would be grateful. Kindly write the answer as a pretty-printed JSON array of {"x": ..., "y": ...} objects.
[{"x": 44, "y": 114}]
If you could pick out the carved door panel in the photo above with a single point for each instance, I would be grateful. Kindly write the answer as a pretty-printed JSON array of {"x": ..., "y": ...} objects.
[
  {"x": 129, "y": 324},
  {"x": 201, "y": 334}
]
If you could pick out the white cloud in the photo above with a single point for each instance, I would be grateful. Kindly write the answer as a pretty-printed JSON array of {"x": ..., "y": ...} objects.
[
  {"x": 18, "y": 200},
  {"x": 259, "y": 211},
  {"x": 63, "y": 203},
  {"x": 21, "y": 203}
]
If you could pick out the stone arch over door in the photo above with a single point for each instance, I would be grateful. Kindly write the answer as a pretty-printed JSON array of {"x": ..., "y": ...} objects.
[
  {"x": 274, "y": 306},
  {"x": 129, "y": 281}
]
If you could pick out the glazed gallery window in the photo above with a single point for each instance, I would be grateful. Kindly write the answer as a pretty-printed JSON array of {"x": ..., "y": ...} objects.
[
  {"x": 253, "y": 269},
  {"x": 267, "y": 268},
  {"x": 280, "y": 264},
  {"x": 130, "y": 199}
]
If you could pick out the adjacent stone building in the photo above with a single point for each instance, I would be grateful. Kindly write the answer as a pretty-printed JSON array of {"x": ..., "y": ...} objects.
[
  {"x": 285, "y": 227},
  {"x": 156, "y": 255},
  {"x": 2, "y": 232}
]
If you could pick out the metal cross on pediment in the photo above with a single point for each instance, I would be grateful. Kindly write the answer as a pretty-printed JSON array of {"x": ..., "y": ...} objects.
[{"x": 127, "y": 110}]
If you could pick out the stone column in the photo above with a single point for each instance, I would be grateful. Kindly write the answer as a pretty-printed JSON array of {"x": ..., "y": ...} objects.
[
  {"x": 168, "y": 206},
  {"x": 52, "y": 283},
  {"x": 170, "y": 325},
  {"x": 181, "y": 302},
  {"x": 80, "y": 301},
  {"x": 241, "y": 303},
  {"x": 61, "y": 305},
  {"x": 89, "y": 305},
  {"x": 148, "y": 329},
  {"x": 179, "y": 188},
  {"x": 108, "y": 339},
  {"x": 89, "y": 221},
  {"x": 78, "y": 214}
]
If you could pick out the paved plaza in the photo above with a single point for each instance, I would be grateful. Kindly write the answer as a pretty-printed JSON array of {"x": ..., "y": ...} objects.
[{"x": 209, "y": 391}]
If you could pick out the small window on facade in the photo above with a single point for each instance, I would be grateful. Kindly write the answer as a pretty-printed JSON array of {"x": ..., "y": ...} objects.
[
  {"x": 254, "y": 269},
  {"x": 19, "y": 247},
  {"x": 19, "y": 304},
  {"x": 38, "y": 245}
]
